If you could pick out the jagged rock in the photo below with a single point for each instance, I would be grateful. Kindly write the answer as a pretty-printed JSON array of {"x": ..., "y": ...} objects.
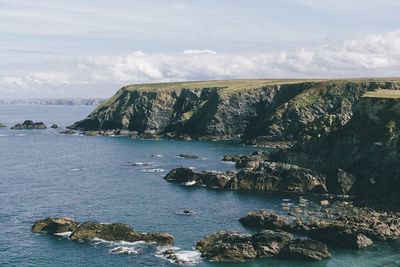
[
  {"x": 54, "y": 126},
  {"x": 340, "y": 236},
  {"x": 227, "y": 247},
  {"x": 279, "y": 177},
  {"x": 2, "y": 125},
  {"x": 264, "y": 219},
  {"x": 305, "y": 250},
  {"x": 252, "y": 161},
  {"x": 110, "y": 232},
  {"x": 55, "y": 225},
  {"x": 28, "y": 124},
  {"x": 163, "y": 239},
  {"x": 238, "y": 247},
  {"x": 187, "y": 156},
  {"x": 190, "y": 177},
  {"x": 345, "y": 181},
  {"x": 170, "y": 254},
  {"x": 232, "y": 158},
  {"x": 269, "y": 243}
]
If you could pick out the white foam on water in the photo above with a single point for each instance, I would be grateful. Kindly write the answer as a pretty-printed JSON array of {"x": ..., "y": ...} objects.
[
  {"x": 63, "y": 234},
  {"x": 228, "y": 162},
  {"x": 75, "y": 170},
  {"x": 3, "y": 135},
  {"x": 125, "y": 250},
  {"x": 20, "y": 135},
  {"x": 157, "y": 156},
  {"x": 116, "y": 243},
  {"x": 153, "y": 170},
  {"x": 190, "y": 257},
  {"x": 141, "y": 163},
  {"x": 286, "y": 199},
  {"x": 190, "y": 183},
  {"x": 192, "y": 168}
]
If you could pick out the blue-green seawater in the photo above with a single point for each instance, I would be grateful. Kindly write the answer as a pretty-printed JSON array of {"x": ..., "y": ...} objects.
[{"x": 43, "y": 173}]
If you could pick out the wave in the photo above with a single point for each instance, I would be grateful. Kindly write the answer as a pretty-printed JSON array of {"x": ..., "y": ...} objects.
[
  {"x": 190, "y": 183},
  {"x": 63, "y": 234},
  {"x": 141, "y": 163},
  {"x": 125, "y": 250},
  {"x": 186, "y": 257},
  {"x": 153, "y": 170}
]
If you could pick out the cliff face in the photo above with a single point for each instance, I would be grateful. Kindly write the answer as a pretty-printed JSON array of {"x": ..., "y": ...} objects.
[
  {"x": 254, "y": 110},
  {"x": 364, "y": 154}
]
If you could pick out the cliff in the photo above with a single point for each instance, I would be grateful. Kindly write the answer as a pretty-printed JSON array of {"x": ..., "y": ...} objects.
[{"x": 255, "y": 111}]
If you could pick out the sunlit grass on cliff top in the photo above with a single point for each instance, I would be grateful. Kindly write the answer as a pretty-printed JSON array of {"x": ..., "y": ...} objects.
[
  {"x": 231, "y": 86},
  {"x": 383, "y": 93}
]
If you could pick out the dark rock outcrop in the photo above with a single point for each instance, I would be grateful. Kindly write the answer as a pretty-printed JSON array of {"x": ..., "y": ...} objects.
[
  {"x": 55, "y": 225},
  {"x": 238, "y": 247},
  {"x": 2, "y": 125},
  {"x": 110, "y": 232},
  {"x": 54, "y": 126},
  {"x": 305, "y": 250},
  {"x": 190, "y": 177},
  {"x": 187, "y": 156},
  {"x": 28, "y": 124},
  {"x": 90, "y": 230}
]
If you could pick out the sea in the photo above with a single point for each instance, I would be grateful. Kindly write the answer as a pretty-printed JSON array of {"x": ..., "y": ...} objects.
[{"x": 116, "y": 179}]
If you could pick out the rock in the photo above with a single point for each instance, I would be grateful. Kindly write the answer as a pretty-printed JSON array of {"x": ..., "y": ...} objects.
[
  {"x": 340, "y": 236},
  {"x": 232, "y": 158},
  {"x": 68, "y": 131},
  {"x": 190, "y": 177},
  {"x": 345, "y": 181},
  {"x": 163, "y": 239},
  {"x": 109, "y": 232},
  {"x": 324, "y": 202},
  {"x": 54, "y": 126},
  {"x": 269, "y": 243},
  {"x": 28, "y": 124},
  {"x": 264, "y": 219},
  {"x": 227, "y": 247},
  {"x": 305, "y": 250},
  {"x": 170, "y": 254},
  {"x": 185, "y": 212},
  {"x": 187, "y": 156},
  {"x": 55, "y": 225},
  {"x": 2, "y": 125}
]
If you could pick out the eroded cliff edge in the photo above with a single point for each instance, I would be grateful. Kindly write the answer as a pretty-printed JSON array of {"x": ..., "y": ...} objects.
[{"x": 255, "y": 111}]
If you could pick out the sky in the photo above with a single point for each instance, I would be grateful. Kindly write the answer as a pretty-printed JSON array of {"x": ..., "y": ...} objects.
[{"x": 91, "y": 48}]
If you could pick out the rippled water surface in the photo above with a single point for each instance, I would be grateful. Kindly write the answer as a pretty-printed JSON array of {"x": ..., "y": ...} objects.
[{"x": 43, "y": 173}]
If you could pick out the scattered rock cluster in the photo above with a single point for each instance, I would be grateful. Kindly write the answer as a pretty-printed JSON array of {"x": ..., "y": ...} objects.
[
  {"x": 28, "y": 124},
  {"x": 90, "y": 230},
  {"x": 266, "y": 176}
]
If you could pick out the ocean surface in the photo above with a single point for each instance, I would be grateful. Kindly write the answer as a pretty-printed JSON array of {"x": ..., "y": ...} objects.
[{"x": 44, "y": 173}]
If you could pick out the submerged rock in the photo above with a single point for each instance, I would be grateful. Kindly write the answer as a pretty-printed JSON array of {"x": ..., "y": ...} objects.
[
  {"x": 187, "y": 156},
  {"x": 55, "y": 225},
  {"x": 28, "y": 124},
  {"x": 305, "y": 250}
]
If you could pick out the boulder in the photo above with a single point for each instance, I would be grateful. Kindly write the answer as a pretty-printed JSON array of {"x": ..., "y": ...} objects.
[
  {"x": 2, "y": 125},
  {"x": 340, "y": 236},
  {"x": 190, "y": 177},
  {"x": 227, "y": 247},
  {"x": 163, "y": 239},
  {"x": 269, "y": 243},
  {"x": 55, "y": 225},
  {"x": 54, "y": 126},
  {"x": 305, "y": 250},
  {"x": 109, "y": 232},
  {"x": 264, "y": 219},
  {"x": 345, "y": 182}
]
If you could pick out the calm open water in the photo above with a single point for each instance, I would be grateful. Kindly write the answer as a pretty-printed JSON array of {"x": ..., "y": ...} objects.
[{"x": 43, "y": 173}]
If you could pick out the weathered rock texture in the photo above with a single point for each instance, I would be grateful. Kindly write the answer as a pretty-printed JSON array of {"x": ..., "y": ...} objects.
[
  {"x": 260, "y": 110},
  {"x": 238, "y": 247}
]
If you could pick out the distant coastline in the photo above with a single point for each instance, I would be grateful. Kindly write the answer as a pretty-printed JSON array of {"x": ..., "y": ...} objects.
[{"x": 59, "y": 101}]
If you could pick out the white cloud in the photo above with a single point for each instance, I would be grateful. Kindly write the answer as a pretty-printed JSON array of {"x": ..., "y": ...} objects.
[{"x": 374, "y": 55}]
